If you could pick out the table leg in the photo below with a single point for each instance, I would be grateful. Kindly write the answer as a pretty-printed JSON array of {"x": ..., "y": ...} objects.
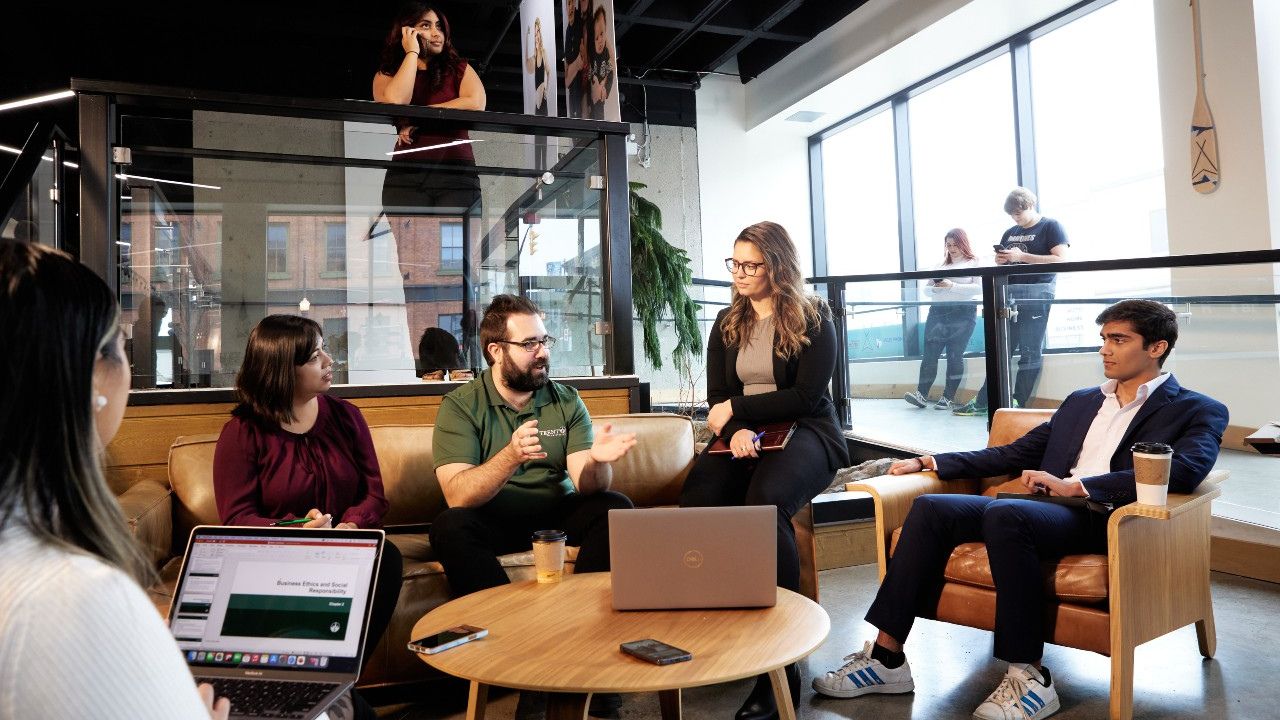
[
  {"x": 782, "y": 694},
  {"x": 567, "y": 706},
  {"x": 477, "y": 701},
  {"x": 670, "y": 702}
]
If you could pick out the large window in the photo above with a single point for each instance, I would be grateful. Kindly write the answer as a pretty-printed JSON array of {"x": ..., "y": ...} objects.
[
  {"x": 277, "y": 249},
  {"x": 860, "y": 198},
  {"x": 335, "y": 247},
  {"x": 451, "y": 247},
  {"x": 963, "y": 162}
]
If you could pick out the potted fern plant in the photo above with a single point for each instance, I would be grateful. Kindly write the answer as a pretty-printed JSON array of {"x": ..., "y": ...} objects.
[{"x": 660, "y": 280}]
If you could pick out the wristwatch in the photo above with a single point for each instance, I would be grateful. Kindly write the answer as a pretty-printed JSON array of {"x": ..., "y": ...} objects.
[{"x": 927, "y": 463}]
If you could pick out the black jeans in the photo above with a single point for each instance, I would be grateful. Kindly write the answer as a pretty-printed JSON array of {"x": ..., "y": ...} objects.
[
  {"x": 1019, "y": 535},
  {"x": 1026, "y": 338},
  {"x": 787, "y": 478},
  {"x": 468, "y": 541},
  {"x": 949, "y": 329}
]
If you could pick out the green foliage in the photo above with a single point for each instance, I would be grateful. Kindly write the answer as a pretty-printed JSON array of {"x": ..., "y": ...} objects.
[{"x": 660, "y": 279}]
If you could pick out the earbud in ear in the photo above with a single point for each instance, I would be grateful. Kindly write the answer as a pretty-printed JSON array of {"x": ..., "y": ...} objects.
[{"x": 99, "y": 402}]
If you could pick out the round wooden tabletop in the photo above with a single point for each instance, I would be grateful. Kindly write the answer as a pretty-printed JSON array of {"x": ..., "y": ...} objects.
[{"x": 564, "y": 637}]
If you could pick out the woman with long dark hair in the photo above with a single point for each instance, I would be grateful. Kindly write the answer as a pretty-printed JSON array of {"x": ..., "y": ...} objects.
[
  {"x": 770, "y": 358},
  {"x": 419, "y": 66},
  {"x": 291, "y": 451},
  {"x": 952, "y": 319},
  {"x": 78, "y": 636}
]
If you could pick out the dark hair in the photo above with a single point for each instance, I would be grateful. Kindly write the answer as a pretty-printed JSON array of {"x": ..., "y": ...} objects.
[
  {"x": 57, "y": 320},
  {"x": 438, "y": 350},
  {"x": 277, "y": 345},
  {"x": 1152, "y": 320},
  {"x": 493, "y": 327},
  {"x": 1019, "y": 198},
  {"x": 393, "y": 51},
  {"x": 962, "y": 241}
]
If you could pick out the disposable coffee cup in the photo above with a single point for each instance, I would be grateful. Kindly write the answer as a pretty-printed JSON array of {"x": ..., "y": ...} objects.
[
  {"x": 1151, "y": 463},
  {"x": 548, "y": 555}
]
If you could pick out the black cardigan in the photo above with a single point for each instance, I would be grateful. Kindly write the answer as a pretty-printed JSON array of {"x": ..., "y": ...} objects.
[{"x": 803, "y": 393}]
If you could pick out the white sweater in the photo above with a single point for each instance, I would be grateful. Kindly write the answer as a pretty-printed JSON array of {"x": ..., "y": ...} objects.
[{"x": 79, "y": 639}]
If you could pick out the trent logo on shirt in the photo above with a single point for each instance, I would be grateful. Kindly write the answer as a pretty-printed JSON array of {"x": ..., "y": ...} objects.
[{"x": 553, "y": 432}]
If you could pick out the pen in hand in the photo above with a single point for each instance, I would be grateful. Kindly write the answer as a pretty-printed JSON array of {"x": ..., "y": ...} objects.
[{"x": 297, "y": 521}]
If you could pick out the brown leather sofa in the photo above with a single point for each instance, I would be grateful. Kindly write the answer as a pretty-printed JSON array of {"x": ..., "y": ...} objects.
[
  {"x": 1153, "y": 580},
  {"x": 651, "y": 474}
]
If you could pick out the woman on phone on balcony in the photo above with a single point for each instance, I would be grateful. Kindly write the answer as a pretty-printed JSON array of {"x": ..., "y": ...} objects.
[
  {"x": 952, "y": 319},
  {"x": 770, "y": 358}
]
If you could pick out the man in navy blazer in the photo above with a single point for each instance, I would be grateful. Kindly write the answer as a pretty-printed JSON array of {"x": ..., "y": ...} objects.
[{"x": 1083, "y": 451}]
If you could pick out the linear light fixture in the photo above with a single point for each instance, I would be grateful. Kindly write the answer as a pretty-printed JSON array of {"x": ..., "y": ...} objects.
[
  {"x": 433, "y": 147},
  {"x": 37, "y": 99},
  {"x": 122, "y": 176},
  {"x": 15, "y": 151}
]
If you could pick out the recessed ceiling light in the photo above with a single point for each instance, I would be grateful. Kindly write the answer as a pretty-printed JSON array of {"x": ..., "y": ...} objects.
[{"x": 804, "y": 116}]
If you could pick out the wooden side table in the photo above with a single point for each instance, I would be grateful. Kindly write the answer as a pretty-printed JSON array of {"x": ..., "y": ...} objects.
[{"x": 563, "y": 638}]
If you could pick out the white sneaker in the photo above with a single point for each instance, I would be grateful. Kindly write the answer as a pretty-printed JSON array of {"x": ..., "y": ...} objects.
[
  {"x": 915, "y": 398},
  {"x": 1022, "y": 695},
  {"x": 861, "y": 675}
]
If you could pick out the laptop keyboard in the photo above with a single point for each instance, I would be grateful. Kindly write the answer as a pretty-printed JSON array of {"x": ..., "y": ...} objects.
[{"x": 269, "y": 698}]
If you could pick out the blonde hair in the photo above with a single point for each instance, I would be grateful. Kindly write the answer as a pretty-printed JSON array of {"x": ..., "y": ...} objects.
[{"x": 795, "y": 312}]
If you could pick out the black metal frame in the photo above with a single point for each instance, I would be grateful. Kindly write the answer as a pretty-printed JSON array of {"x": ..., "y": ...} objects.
[
  {"x": 103, "y": 102},
  {"x": 18, "y": 179}
]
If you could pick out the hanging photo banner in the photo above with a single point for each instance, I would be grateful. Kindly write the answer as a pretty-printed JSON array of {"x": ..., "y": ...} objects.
[
  {"x": 591, "y": 60},
  {"x": 538, "y": 51}
]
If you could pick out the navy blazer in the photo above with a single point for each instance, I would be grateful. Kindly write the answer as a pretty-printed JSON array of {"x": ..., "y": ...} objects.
[
  {"x": 1192, "y": 423},
  {"x": 803, "y": 383}
]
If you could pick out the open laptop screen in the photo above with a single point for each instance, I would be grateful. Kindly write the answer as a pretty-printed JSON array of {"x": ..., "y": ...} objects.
[{"x": 283, "y": 599}]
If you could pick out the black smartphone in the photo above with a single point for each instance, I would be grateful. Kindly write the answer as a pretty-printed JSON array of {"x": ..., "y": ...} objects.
[
  {"x": 656, "y": 652},
  {"x": 999, "y": 248},
  {"x": 446, "y": 639}
]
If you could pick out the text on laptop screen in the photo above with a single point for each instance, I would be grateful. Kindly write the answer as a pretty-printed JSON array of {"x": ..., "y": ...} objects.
[{"x": 273, "y": 601}]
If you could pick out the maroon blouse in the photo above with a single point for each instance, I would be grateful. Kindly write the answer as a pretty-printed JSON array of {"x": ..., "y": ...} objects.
[
  {"x": 263, "y": 473},
  {"x": 451, "y": 89}
]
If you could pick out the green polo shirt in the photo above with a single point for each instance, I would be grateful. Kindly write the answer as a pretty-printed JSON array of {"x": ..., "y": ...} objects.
[{"x": 475, "y": 423}]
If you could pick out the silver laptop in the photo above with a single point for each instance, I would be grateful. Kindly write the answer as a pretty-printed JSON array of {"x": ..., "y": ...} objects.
[
  {"x": 275, "y": 618},
  {"x": 706, "y": 557}
]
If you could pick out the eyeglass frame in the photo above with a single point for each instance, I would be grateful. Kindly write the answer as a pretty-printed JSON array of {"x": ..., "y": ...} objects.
[
  {"x": 532, "y": 346},
  {"x": 750, "y": 268}
]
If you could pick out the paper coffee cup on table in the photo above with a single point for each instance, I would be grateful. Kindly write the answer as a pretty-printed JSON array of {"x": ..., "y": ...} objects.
[
  {"x": 1151, "y": 463},
  {"x": 548, "y": 555}
]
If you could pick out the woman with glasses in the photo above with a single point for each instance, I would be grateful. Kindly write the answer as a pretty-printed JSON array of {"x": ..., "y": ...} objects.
[
  {"x": 950, "y": 325},
  {"x": 293, "y": 454},
  {"x": 770, "y": 359},
  {"x": 78, "y": 636}
]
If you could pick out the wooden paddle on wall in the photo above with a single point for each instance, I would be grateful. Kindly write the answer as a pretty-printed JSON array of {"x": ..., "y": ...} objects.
[{"x": 1205, "y": 175}]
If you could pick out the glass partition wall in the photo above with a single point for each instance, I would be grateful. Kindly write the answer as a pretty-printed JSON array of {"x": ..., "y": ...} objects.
[
  {"x": 230, "y": 209},
  {"x": 1228, "y": 348}
]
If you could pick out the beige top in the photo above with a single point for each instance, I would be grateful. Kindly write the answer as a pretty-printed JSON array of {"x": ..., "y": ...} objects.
[{"x": 755, "y": 360}]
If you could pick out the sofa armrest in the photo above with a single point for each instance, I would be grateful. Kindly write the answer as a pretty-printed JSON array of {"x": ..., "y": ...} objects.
[
  {"x": 893, "y": 495},
  {"x": 148, "y": 507}
]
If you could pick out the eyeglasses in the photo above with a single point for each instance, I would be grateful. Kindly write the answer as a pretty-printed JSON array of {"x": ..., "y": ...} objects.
[
  {"x": 532, "y": 345},
  {"x": 749, "y": 268}
]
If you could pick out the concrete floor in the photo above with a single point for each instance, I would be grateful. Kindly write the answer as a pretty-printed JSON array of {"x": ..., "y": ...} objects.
[{"x": 954, "y": 671}]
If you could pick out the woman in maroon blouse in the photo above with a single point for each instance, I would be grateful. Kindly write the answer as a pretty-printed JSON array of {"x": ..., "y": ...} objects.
[{"x": 290, "y": 451}]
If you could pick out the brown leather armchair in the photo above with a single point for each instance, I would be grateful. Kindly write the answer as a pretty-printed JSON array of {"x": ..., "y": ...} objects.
[
  {"x": 651, "y": 474},
  {"x": 1153, "y": 580}
]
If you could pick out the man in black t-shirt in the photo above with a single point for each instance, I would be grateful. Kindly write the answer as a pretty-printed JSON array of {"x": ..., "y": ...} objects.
[{"x": 1034, "y": 239}]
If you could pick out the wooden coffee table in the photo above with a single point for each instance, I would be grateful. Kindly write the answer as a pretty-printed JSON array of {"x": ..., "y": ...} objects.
[{"x": 563, "y": 638}]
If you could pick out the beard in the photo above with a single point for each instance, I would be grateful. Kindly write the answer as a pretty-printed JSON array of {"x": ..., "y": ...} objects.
[{"x": 529, "y": 379}]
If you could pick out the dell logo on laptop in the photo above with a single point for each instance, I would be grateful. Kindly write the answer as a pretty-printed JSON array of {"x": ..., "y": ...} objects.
[{"x": 693, "y": 559}]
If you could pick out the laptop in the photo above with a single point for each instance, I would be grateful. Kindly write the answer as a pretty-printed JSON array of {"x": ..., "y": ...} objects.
[
  {"x": 275, "y": 618},
  {"x": 705, "y": 557}
]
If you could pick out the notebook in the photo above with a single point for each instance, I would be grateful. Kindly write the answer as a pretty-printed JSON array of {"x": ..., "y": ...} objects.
[
  {"x": 275, "y": 618},
  {"x": 706, "y": 557},
  {"x": 775, "y": 437}
]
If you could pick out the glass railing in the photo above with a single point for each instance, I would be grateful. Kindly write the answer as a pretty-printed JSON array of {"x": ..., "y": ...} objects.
[
  {"x": 35, "y": 198},
  {"x": 1043, "y": 341},
  {"x": 231, "y": 208}
]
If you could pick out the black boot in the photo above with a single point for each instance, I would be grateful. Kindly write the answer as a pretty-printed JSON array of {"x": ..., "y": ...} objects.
[{"x": 760, "y": 704}]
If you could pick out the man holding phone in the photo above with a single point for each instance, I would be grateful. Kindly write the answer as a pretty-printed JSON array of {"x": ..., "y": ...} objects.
[{"x": 1034, "y": 239}]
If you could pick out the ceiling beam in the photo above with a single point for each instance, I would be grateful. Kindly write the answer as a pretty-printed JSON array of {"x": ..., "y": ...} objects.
[
  {"x": 717, "y": 29},
  {"x": 702, "y": 18},
  {"x": 767, "y": 24},
  {"x": 622, "y": 22}
]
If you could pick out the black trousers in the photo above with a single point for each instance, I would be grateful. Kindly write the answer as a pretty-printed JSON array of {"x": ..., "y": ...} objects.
[
  {"x": 1026, "y": 338},
  {"x": 946, "y": 329},
  {"x": 788, "y": 478},
  {"x": 468, "y": 541},
  {"x": 385, "y": 596},
  {"x": 1019, "y": 535}
]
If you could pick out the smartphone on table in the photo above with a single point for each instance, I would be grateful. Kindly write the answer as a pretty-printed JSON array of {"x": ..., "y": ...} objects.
[
  {"x": 446, "y": 639},
  {"x": 656, "y": 652}
]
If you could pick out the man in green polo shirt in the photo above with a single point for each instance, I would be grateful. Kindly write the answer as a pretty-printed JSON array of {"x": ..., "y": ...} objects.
[{"x": 514, "y": 453}]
